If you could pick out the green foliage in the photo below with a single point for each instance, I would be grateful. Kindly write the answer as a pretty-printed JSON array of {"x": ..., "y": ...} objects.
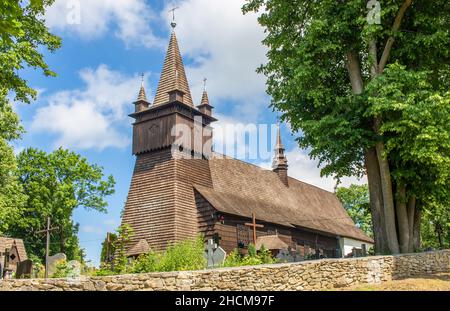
[
  {"x": 307, "y": 75},
  {"x": 120, "y": 264},
  {"x": 435, "y": 227},
  {"x": 23, "y": 34},
  {"x": 416, "y": 128},
  {"x": 263, "y": 256},
  {"x": 183, "y": 255},
  {"x": 402, "y": 104},
  {"x": 355, "y": 200},
  {"x": 112, "y": 240},
  {"x": 12, "y": 198},
  {"x": 55, "y": 185},
  {"x": 63, "y": 270}
]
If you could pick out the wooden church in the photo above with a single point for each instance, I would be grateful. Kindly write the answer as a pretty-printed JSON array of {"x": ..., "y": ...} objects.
[{"x": 181, "y": 188}]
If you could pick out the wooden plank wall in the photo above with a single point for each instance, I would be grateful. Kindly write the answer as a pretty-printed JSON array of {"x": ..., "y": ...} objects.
[{"x": 150, "y": 205}]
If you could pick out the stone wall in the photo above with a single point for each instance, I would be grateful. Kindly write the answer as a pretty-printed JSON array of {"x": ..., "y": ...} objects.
[{"x": 307, "y": 275}]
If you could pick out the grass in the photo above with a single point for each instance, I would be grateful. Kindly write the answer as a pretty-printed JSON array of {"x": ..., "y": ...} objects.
[{"x": 433, "y": 282}]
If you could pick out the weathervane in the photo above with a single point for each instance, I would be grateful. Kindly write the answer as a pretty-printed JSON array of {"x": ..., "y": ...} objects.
[{"x": 173, "y": 24}]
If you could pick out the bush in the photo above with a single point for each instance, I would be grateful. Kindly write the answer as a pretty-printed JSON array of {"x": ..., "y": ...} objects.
[
  {"x": 183, "y": 255},
  {"x": 264, "y": 256},
  {"x": 63, "y": 270}
]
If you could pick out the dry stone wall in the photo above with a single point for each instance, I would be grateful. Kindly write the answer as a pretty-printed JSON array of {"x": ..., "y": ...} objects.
[{"x": 307, "y": 275}]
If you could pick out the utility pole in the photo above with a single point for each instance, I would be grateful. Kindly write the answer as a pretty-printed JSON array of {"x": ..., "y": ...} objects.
[{"x": 47, "y": 246}]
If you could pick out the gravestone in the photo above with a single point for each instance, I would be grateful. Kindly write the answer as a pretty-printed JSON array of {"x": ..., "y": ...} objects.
[
  {"x": 215, "y": 255},
  {"x": 285, "y": 255},
  {"x": 53, "y": 261},
  {"x": 75, "y": 269},
  {"x": 363, "y": 250},
  {"x": 24, "y": 269}
]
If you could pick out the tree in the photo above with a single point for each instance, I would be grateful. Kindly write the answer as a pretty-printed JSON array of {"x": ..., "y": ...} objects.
[
  {"x": 22, "y": 34},
  {"x": 357, "y": 91},
  {"x": 355, "y": 200},
  {"x": 56, "y": 184},
  {"x": 12, "y": 198}
]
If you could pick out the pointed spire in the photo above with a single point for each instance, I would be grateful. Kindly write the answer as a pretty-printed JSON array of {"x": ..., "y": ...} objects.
[
  {"x": 279, "y": 145},
  {"x": 205, "y": 100},
  {"x": 279, "y": 164},
  {"x": 173, "y": 76},
  {"x": 204, "y": 106},
  {"x": 141, "y": 102},
  {"x": 142, "y": 95}
]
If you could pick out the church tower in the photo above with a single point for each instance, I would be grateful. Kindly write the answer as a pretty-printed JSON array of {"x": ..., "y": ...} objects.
[{"x": 172, "y": 142}]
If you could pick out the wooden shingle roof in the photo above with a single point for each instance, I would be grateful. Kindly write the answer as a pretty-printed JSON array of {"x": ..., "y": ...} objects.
[
  {"x": 140, "y": 247},
  {"x": 272, "y": 242},
  {"x": 240, "y": 188},
  {"x": 173, "y": 76}
]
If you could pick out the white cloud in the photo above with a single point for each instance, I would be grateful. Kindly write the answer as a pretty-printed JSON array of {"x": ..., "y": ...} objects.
[
  {"x": 89, "y": 117},
  {"x": 301, "y": 167},
  {"x": 225, "y": 47},
  {"x": 90, "y": 19},
  {"x": 223, "y": 44}
]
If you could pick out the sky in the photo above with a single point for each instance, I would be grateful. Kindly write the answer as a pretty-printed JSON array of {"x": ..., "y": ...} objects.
[{"x": 106, "y": 45}]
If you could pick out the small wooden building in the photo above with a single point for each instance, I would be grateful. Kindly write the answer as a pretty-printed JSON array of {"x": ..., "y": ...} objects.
[
  {"x": 180, "y": 187},
  {"x": 12, "y": 251}
]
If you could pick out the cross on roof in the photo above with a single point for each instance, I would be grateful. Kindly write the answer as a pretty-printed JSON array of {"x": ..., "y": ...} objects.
[
  {"x": 173, "y": 24},
  {"x": 254, "y": 225},
  {"x": 204, "y": 84}
]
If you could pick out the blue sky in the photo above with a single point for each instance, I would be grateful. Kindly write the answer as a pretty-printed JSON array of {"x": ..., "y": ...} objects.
[{"x": 106, "y": 45}]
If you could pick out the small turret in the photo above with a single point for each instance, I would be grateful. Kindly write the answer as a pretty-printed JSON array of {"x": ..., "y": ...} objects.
[
  {"x": 279, "y": 164},
  {"x": 141, "y": 103}
]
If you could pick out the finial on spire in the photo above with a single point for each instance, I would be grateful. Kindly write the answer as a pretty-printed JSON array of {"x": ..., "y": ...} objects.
[
  {"x": 173, "y": 24},
  {"x": 204, "y": 84},
  {"x": 142, "y": 79}
]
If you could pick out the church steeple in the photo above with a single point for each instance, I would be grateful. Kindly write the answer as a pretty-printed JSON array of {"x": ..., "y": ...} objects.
[
  {"x": 173, "y": 84},
  {"x": 141, "y": 103},
  {"x": 279, "y": 164},
  {"x": 172, "y": 110},
  {"x": 204, "y": 106}
]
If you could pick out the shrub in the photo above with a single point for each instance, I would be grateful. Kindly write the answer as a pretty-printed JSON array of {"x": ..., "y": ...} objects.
[
  {"x": 183, "y": 255},
  {"x": 264, "y": 256},
  {"x": 63, "y": 270}
]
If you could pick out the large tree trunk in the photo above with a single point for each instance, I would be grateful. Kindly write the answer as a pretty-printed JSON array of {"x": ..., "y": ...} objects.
[
  {"x": 402, "y": 219},
  {"x": 381, "y": 234},
  {"x": 376, "y": 201},
  {"x": 411, "y": 211},
  {"x": 416, "y": 228},
  {"x": 388, "y": 198}
]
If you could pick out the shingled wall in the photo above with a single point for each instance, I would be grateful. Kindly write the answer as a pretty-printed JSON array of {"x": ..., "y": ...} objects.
[{"x": 308, "y": 275}]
